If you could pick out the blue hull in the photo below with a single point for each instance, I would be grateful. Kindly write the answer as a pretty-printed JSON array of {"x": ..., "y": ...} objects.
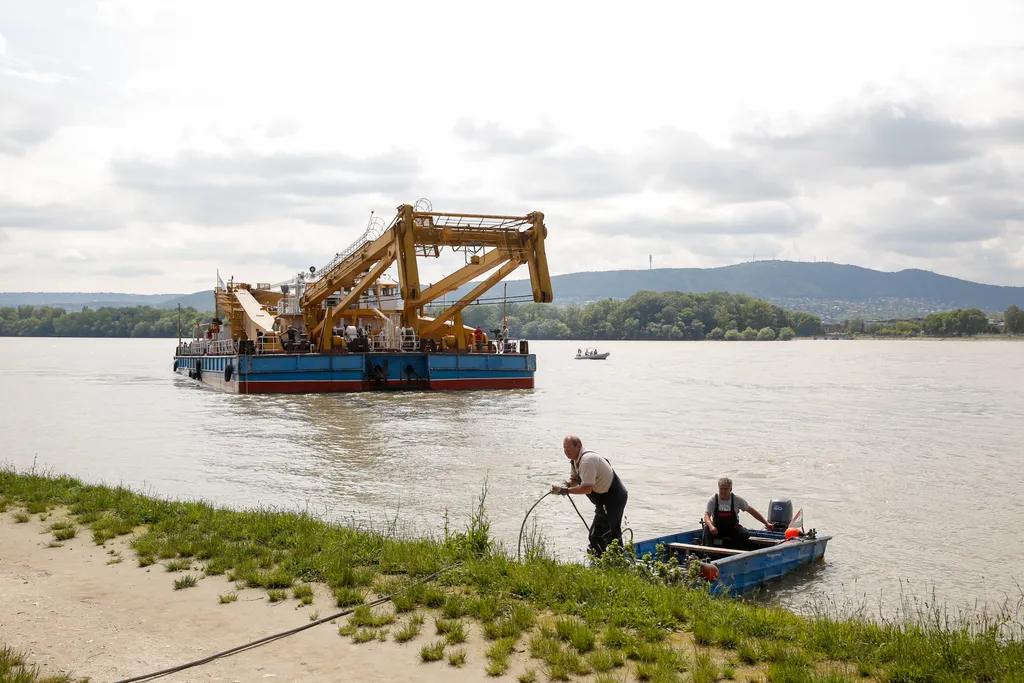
[
  {"x": 747, "y": 570},
  {"x": 300, "y": 373}
]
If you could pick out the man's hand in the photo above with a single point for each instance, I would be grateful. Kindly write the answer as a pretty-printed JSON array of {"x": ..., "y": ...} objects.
[
  {"x": 769, "y": 526},
  {"x": 563, "y": 491},
  {"x": 712, "y": 529}
]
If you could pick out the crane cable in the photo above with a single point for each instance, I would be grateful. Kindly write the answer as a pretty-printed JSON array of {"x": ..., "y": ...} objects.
[{"x": 283, "y": 634}]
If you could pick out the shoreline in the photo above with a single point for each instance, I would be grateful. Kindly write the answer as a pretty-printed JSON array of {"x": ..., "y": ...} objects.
[{"x": 117, "y": 602}]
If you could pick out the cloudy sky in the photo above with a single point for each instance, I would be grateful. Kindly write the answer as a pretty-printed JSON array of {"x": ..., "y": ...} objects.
[{"x": 145, "y": 144}]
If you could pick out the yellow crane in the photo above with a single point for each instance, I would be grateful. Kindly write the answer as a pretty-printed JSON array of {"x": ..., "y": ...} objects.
[{"x": 490, "y": 242}]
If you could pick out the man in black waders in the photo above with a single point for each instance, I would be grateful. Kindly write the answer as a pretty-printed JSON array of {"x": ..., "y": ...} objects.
[
  {"x": 592, "y": 475},
  {"x": 722, "y": 518}
]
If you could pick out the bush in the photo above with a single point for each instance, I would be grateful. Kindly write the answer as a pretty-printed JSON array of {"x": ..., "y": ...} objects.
[
  {"x": 749, "y": 334},
  {"x": 786, "y": 333},
  {"x": 716, "y": 333},
  {"x": 766, "y": 334},
  {"x": 733, "y": 335}
]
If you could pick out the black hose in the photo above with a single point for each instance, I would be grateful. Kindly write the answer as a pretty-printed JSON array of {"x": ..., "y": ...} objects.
[
  {"x": 519, "y": 549},
  {"x": 282, "y": 634}
]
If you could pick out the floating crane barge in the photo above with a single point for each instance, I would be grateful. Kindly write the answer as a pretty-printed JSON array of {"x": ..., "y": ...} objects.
[{"x": 346, "y": 327}]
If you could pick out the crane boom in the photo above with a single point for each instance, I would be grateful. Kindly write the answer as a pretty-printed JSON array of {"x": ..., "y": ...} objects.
[{"x": 511, "y": 240}]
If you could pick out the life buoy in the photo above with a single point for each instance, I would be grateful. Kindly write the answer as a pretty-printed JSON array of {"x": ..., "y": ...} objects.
[{"x": 228, "y": 369}]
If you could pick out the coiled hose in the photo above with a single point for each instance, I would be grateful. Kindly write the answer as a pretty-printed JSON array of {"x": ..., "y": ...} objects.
[{"x": 519, "y": 550}]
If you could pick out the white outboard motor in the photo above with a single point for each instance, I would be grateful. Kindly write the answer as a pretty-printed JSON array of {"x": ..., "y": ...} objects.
[{"x": 780, "y": 513}]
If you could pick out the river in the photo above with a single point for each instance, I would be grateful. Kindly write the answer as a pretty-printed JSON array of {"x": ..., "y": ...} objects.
[{"x": 907, "y": 452}]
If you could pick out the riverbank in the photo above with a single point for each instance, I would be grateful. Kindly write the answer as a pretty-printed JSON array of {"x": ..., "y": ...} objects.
[{"x": 109, "y": 583}]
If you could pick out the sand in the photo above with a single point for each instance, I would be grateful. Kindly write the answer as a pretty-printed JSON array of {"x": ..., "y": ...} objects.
[{"x": 70, "y": 611}]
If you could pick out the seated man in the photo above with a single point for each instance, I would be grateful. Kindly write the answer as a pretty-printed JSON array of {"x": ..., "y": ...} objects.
[{"x": 721, "y": 518}]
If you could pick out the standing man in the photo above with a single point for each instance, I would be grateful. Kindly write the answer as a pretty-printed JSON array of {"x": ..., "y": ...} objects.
[
  {"x": 593, "y": 476},
  {"x": 722, "y": 517}
]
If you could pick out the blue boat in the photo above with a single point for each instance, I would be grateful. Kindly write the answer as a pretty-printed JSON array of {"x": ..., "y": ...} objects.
[{"x": 769, "y": 556}]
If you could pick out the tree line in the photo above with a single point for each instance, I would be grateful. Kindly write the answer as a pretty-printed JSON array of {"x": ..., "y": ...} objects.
[
  {"x": 645, "y": 315},
  {"x": 966, "y": 322},
  {"x": 134, "y": 321},
  {"x": 651, "y": 315}
]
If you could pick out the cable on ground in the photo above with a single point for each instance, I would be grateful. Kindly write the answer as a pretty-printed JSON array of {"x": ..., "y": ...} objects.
[{"x": 282, "y": 634}]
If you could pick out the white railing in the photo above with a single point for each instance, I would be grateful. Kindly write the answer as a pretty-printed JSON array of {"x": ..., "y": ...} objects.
[{"x": 221, "y": 347}]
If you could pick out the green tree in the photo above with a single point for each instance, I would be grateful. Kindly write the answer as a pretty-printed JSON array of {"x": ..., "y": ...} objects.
[
  {"x": 749, "y": 334},
  {"x": 1013, "y": 320},
  {"x": 716, "y": 334},
  {"x": 733, "y": 335},
  {"x": 786, "y": 333},
  {"x": 766, "y": 334}
]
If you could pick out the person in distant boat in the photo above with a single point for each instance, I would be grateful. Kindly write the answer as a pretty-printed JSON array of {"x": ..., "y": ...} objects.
[
  {"x": 593, "y": 476},
  {"x": 721, "y": 517}
]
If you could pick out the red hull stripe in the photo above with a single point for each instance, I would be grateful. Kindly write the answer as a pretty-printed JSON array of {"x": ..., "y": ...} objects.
[
  {"x": 484, "y": 383},
  {"x": 311, "y": 387}
]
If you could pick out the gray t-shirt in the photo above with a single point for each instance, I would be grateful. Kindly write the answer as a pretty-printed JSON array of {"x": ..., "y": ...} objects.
[
  {"x": 724, "y": 505},
  {"x": 595, "y": 471}
]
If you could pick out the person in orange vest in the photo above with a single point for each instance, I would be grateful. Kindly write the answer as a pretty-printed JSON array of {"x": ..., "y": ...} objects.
[{"x": 478, "y": 335}]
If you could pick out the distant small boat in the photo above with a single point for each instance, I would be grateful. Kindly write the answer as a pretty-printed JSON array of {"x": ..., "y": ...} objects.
[{"x": 591, "y": 354}]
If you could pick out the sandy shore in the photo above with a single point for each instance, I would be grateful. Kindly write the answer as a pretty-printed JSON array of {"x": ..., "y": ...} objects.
[{"x": 69, "y": 610}]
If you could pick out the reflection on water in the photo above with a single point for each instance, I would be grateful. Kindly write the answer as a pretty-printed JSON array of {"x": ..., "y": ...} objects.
[{"x": 905, "y": 452}]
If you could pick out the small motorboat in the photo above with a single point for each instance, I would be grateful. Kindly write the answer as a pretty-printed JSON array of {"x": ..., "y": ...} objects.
[
  {"x": 771, "y": 554},
  {"x": 591, "y": 354}
]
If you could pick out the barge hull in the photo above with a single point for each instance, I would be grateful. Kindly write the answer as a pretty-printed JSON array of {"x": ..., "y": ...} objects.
[{"x": 357, "y": 372}]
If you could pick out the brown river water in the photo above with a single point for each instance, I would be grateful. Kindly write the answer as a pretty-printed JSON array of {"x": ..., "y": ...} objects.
[{"x": 907, "y": 452}]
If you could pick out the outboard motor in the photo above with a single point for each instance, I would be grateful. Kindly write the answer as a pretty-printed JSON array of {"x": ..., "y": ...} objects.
[{"x": 780, "y": 513}]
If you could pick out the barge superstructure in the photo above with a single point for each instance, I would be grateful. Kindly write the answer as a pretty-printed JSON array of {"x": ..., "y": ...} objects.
[{"x": 348, "y": 327}]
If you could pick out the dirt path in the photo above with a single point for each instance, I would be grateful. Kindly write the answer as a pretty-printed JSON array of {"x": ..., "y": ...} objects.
[{"x": 69, "y": 610}]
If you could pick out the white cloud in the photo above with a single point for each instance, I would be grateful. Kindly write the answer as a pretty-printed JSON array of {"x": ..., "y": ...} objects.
[{"x": 161, "y": 141}]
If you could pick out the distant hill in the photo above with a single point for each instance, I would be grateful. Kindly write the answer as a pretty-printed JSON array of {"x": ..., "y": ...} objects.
[
  {"x": 201, "y": 301},
  {"x": 74, "y": 301},
  {"x": 831, "y": 290}
]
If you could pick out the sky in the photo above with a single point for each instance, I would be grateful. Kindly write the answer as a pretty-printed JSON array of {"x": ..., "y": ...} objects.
[{"x": 145, "y": 145}]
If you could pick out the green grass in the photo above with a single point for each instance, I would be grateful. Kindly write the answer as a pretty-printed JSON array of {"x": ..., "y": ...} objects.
[
  {"x": 303, "y": 594},
  {"x": 230, "y": 597},
  {"x": 15, "y": 668},
  {"x": 601, "y": 612},
  {"x": 187, "y": 581},
  {"x": 277, "y": 595},
  {"x": 63, "y": 531},
  {"x": 365, "y": 635},
  {"x": 21, "y": 516},
  {"x": 457, "y": 658},
  {"x": 411, "y": 629},
  {"x": 178, "y": 565},
  {"x": 433, "y": 652},
  {"x": 498, "y": 655},
  {"x": 453, "y": 630},
  {"x": 346, "y": 597}
]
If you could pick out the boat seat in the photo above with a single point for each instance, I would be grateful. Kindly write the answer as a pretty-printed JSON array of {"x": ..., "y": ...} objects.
[
  {"x": 757, "y": 540},
  {"x": 709, "y": 549}
]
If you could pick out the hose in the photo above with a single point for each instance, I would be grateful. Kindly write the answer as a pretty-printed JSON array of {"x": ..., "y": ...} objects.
[
  {"x": 283, "y": 634},
  {"x": 519, "y": 549}
]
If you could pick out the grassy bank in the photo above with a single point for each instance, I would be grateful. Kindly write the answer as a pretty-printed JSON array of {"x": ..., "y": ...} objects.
[
  {"x": 15, "y": 668},
  {"x": 610, "y": 622}
]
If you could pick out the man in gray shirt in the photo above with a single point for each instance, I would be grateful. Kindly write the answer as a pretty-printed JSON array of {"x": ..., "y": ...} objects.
[
  {"x": 722, "y": 518},
  {"x": 593, "y": 476}
]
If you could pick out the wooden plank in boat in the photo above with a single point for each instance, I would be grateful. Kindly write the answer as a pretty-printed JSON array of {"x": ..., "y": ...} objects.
[{"x": 705, "y": 548}]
